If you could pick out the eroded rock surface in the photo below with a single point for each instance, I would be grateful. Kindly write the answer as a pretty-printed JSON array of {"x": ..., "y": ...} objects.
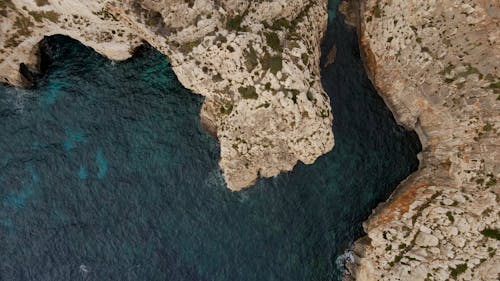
[
  {"x": 256, "y": 63},
  {"x": 436, "y": 64}
]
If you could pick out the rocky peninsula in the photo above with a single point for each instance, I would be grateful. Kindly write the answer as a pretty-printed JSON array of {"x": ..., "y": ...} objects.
[
  {"x": 255, "y": 62},
  {"x": 436, "y": 64}
]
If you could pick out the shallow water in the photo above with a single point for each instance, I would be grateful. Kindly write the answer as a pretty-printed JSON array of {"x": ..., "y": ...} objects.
[{"x": 106, "y": 174}]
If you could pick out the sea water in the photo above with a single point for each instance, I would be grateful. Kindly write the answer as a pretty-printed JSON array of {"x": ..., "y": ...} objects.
[{"x": 106, "y": 174}]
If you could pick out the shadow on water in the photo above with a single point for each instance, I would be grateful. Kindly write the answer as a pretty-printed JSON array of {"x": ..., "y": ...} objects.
[{"x": 106, "y": 174}]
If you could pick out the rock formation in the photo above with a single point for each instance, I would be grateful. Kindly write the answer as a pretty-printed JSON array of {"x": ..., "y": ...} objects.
[
  {"x": 436, "y": 64},
  {"x": 255, "y": 62}
]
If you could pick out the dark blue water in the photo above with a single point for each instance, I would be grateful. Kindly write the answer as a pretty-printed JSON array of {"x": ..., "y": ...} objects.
[{"x": 106, "y": 174}]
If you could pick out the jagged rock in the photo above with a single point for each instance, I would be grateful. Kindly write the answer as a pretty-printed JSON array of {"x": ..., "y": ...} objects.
[
  {"x": 255, "y": 62},
  {"x": 436, "y": 64}
]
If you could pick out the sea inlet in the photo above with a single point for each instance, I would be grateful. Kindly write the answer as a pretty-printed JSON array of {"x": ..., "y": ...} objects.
[{"x": 106, "y": 174}]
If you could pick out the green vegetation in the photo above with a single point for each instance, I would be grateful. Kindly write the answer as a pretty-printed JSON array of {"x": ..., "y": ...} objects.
[
  {"x": 217, "y": 78},
  {"x": 4, "y": 4},
  {"x": 496, "y": 88},
  {"x": 388, "y": 248},
  {"x": 248, "y": 92},
  {"x": 447, "y": 69},
  {"x": 280, "y": 24},
  {"x": 491, "y": 252},
  {"x": 377, "y": 11},
  {"x": 488, "y": 127},
  {"x": 486, "y": 212},
  {"x": 273, "y": 41},
  {"x": 410, "y": 258},
  {"x": 310, "y": 96},
  {"x": 221, "y": 38},
  {"x": 266, "y": 61},
  {"x": 11, "y": 42},
  {"x": 491, "y": 233},
  {"x": 471, "y": 70},
  {"x": 422, "y": 207},
  {"x": 188, "y": 47},
  {"x": 105, "y": 15},
  {"x": 154, "y": 19},
  {"x": 491, "y": 182},
  {"x": 305, "y": 58},
  {"x": 40, "y": 2},
  {"x": 461, "y": 268},
  {"x": 324, "y": 113},
  {"x": 494, "y": 85},
  {"x": 396, "y": 259},
  {"x": 293, "y": 45},
  {"x": 252, "y": 61},
  {"x": 276, "y": 64},
  {"x": 49, "y": 15},
  {"x": 234, "y": 23},
  {"x": 425, "y": 50},
  {"x": 300, "y": 17},
  {"x": 23, "y": 26},
  {"x": 450, "y": 216},
  {"x": 190, "y": 3},
  {"x": 226, "y": 108},
  {"x": 264, "y": 105},
  {"x": 295, "y": 93}
]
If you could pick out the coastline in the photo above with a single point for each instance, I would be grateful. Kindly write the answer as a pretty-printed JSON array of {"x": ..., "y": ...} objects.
[
  {"x": 434, "y": 219},
  {"x": 440, "y": 210},
  {"x": 256, "y": 64}
]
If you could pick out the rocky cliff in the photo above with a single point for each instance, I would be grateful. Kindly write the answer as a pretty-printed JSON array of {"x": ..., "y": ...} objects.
[
  {"x": 256, "y": 63},
  {"x": 436, "y": 64}
]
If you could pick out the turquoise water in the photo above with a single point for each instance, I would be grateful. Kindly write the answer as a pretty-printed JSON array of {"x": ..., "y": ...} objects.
[{"x": 106, "y": 174}]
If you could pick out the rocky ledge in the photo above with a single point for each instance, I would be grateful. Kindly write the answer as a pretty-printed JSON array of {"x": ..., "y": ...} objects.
[
  {"x": 256, "y": 63},
  {"x": 436, "y": 64}
]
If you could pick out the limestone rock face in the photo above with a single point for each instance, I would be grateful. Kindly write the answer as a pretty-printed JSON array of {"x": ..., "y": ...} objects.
[
  {"x": 426, "y": 240},
  {"x": 255, "y": 62},
  {"x": 437, "y": 65}
]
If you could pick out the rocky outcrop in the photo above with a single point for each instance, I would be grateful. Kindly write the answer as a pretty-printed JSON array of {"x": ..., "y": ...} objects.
[
  {"x": 256, "y": 63},
  {"x": 436, "y": 64}
]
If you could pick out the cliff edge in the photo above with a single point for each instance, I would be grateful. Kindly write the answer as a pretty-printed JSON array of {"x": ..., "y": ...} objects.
[
  {"x": 255, "y": 62},
  {"x": 436, "y": 64}
]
